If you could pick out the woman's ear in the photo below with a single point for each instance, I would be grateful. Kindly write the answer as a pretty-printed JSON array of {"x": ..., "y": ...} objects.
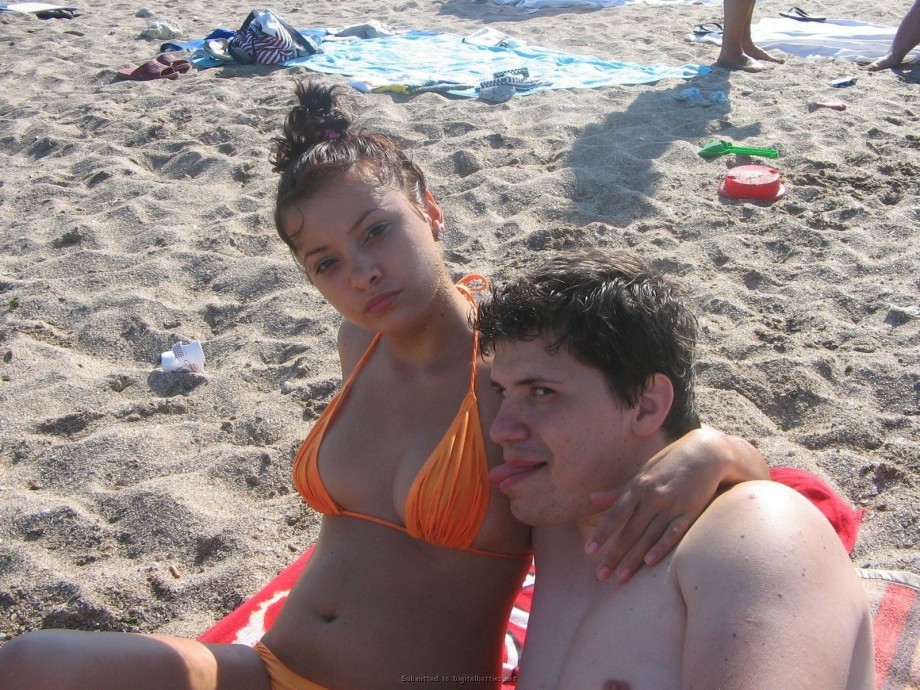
[
  {"x": 653, "y": 406},
  {"x": 433, "y": 214}
]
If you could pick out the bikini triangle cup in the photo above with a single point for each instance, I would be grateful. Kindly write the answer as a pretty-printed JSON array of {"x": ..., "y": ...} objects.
[{"x": 449, "y": 499}]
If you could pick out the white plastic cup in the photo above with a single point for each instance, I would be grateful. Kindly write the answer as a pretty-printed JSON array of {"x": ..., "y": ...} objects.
[{"x": 184, "y": 357}]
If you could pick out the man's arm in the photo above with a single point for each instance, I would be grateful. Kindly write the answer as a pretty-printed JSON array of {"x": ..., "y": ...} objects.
[{"x": 772, "y": 598}]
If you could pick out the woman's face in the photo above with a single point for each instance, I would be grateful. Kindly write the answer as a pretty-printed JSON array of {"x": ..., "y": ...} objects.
[{"x": 370, "y": 252}]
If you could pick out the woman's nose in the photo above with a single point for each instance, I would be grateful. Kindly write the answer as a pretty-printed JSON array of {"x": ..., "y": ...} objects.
[{"x": 365, "y": 272}]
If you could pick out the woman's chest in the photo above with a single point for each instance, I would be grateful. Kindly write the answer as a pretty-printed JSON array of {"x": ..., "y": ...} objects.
[{"x": 381, "y": 439}]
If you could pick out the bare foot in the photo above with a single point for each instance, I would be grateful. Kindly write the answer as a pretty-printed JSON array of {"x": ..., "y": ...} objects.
[
  {"x": 760, "y": 54},
  {"x": 744, "y": 63},
  {"x": 884, "y": 62}
]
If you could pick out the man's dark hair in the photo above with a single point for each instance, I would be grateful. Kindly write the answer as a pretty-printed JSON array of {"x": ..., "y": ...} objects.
[{"x": 610, "y": 311}]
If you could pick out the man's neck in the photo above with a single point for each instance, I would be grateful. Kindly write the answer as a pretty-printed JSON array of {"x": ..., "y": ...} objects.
[
  {"x": 645, "y": 449},
  {"x": 587, "y": 524}
]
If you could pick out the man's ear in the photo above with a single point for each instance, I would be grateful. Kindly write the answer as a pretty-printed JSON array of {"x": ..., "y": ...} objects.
[{"x": 654, "y": 405}]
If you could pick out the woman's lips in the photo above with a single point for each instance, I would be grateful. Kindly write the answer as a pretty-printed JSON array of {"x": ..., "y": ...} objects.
[
  {"x": 380, "y": 303},
  {"x": 508, "y": 474}
]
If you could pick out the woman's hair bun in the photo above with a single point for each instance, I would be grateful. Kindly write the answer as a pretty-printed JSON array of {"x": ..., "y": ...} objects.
[{"x": 318, "y": 117}]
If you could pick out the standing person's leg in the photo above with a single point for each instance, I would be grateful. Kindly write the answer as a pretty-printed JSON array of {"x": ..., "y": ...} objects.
[
  {"x": 905, "y": 40},
  {"x": 737, "y": 26},
  {"x": 747, "y": 43},
  {"x": 77, "y": 660}
]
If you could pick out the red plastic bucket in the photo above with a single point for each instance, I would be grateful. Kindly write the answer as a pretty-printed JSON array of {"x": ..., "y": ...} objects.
[{"x": 752, "y": 182}]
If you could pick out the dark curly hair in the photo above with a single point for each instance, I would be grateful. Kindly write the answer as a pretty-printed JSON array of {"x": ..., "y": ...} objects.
[
  {"x": 320, "y": 141},
  {"x": 610, "y": 311}
]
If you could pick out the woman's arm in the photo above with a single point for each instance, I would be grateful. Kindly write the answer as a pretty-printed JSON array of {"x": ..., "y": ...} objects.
[{"x": 652, "y": 511}]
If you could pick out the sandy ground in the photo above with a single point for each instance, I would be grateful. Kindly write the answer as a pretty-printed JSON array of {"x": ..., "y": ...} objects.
[{"x": 134, "y": 215}]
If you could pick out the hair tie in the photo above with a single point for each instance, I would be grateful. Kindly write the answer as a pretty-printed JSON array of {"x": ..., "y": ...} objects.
[{"x": 332, "y": 134}]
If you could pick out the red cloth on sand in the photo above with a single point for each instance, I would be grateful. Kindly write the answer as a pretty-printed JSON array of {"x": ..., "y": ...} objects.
[{"x": 843, "y": 517}]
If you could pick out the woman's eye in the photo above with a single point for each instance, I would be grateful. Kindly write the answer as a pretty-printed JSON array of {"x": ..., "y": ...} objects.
[
  {"x": 376, "y": 230},
  {"x": 323, "y": 265}
]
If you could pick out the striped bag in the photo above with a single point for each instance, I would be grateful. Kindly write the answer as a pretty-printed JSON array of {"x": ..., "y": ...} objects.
[{"x": 267, "y": 39}]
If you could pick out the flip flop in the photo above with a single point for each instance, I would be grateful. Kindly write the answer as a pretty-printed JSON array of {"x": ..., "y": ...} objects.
[
  {"x": 521, "y": 72},
  {"x": 706, "y": 29},
  {"x": 518, "y": 78},
  {"x": 219, "y": 49},
  {"x": 150, "y": 70},
  {"x": 180, "y": 65},
  {"x": 801, "y": 15},
  {"x": 59, "y": 13}
]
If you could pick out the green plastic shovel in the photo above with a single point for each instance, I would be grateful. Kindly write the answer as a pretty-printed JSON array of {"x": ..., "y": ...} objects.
[{"x": 714, "y": 149}]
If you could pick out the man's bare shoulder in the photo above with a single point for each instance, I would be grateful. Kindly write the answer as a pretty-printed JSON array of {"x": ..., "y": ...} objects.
[
  {"x": 754, "y": 502},
  {"x": 770, "y": 594},
  {"x": 758, "y": 527}
]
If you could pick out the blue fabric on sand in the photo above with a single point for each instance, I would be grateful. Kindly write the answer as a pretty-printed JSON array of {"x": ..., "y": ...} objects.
[{"x": 421, "y": 57}]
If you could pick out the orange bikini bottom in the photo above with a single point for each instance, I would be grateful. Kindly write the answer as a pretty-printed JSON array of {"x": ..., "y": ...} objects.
[{"x": 281, "y": 677}]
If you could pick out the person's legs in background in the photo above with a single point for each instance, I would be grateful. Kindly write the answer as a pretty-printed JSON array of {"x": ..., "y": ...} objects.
[
  {"x": 738, "y": 49},
  {"x": 905, "y": 40}
]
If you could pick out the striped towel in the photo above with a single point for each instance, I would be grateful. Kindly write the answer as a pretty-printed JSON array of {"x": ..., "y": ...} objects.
[{"x": 894, "y": 599}]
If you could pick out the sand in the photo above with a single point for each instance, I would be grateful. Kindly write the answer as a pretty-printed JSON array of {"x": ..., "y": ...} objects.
[{"x": 135, "y": 215}]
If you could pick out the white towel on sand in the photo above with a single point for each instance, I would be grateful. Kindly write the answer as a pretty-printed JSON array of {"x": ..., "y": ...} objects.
[
  {"x": 534, "y": 5},
  {"x": 845, "y": 39}
]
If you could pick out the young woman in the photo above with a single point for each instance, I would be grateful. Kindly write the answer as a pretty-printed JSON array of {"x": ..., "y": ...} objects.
[{"x": 418, "y": 560}]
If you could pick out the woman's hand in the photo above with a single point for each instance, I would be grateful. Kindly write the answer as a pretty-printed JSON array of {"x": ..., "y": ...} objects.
[{"x": 652, "y": 511}]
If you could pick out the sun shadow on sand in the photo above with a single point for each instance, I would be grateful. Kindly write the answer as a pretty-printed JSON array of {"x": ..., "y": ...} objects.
[
  {"x": 169, "y": 384},
  {"x": 644, "y": 153},
  {"x": 630, "y": 164},
  {"x": 909, "y": 72}
]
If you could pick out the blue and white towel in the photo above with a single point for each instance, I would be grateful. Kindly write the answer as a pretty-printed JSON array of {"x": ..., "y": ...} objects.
[{"x": 419, "y": 58}]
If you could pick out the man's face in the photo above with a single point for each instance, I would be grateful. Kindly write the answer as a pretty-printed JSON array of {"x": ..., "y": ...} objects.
[{"x": 563, "y": 433}]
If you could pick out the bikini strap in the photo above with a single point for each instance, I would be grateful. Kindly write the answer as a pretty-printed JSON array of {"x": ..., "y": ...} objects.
[
  {"x": 472, "y": 283},
  {"x": 468, "y": 285}
]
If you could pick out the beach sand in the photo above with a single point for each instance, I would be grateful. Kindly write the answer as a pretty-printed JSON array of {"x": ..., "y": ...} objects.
[{"x": 135, "y": 215}]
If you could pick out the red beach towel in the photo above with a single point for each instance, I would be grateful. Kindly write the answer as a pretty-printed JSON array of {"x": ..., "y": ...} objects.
[{"x": 844, "y": 518}]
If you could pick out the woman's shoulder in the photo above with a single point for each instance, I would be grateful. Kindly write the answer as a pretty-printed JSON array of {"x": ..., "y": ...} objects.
[{"x": 353, "y": 342}]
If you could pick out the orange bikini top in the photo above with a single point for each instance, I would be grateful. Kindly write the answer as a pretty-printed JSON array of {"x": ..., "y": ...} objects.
[{"x": 449, "y": 498}]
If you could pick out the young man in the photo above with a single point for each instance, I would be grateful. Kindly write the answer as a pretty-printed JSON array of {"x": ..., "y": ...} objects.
[{"x": 596, "y": 351}]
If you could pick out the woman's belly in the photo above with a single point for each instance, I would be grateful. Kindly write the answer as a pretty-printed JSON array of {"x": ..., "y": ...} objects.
[{"x": 375, "y": 608}]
